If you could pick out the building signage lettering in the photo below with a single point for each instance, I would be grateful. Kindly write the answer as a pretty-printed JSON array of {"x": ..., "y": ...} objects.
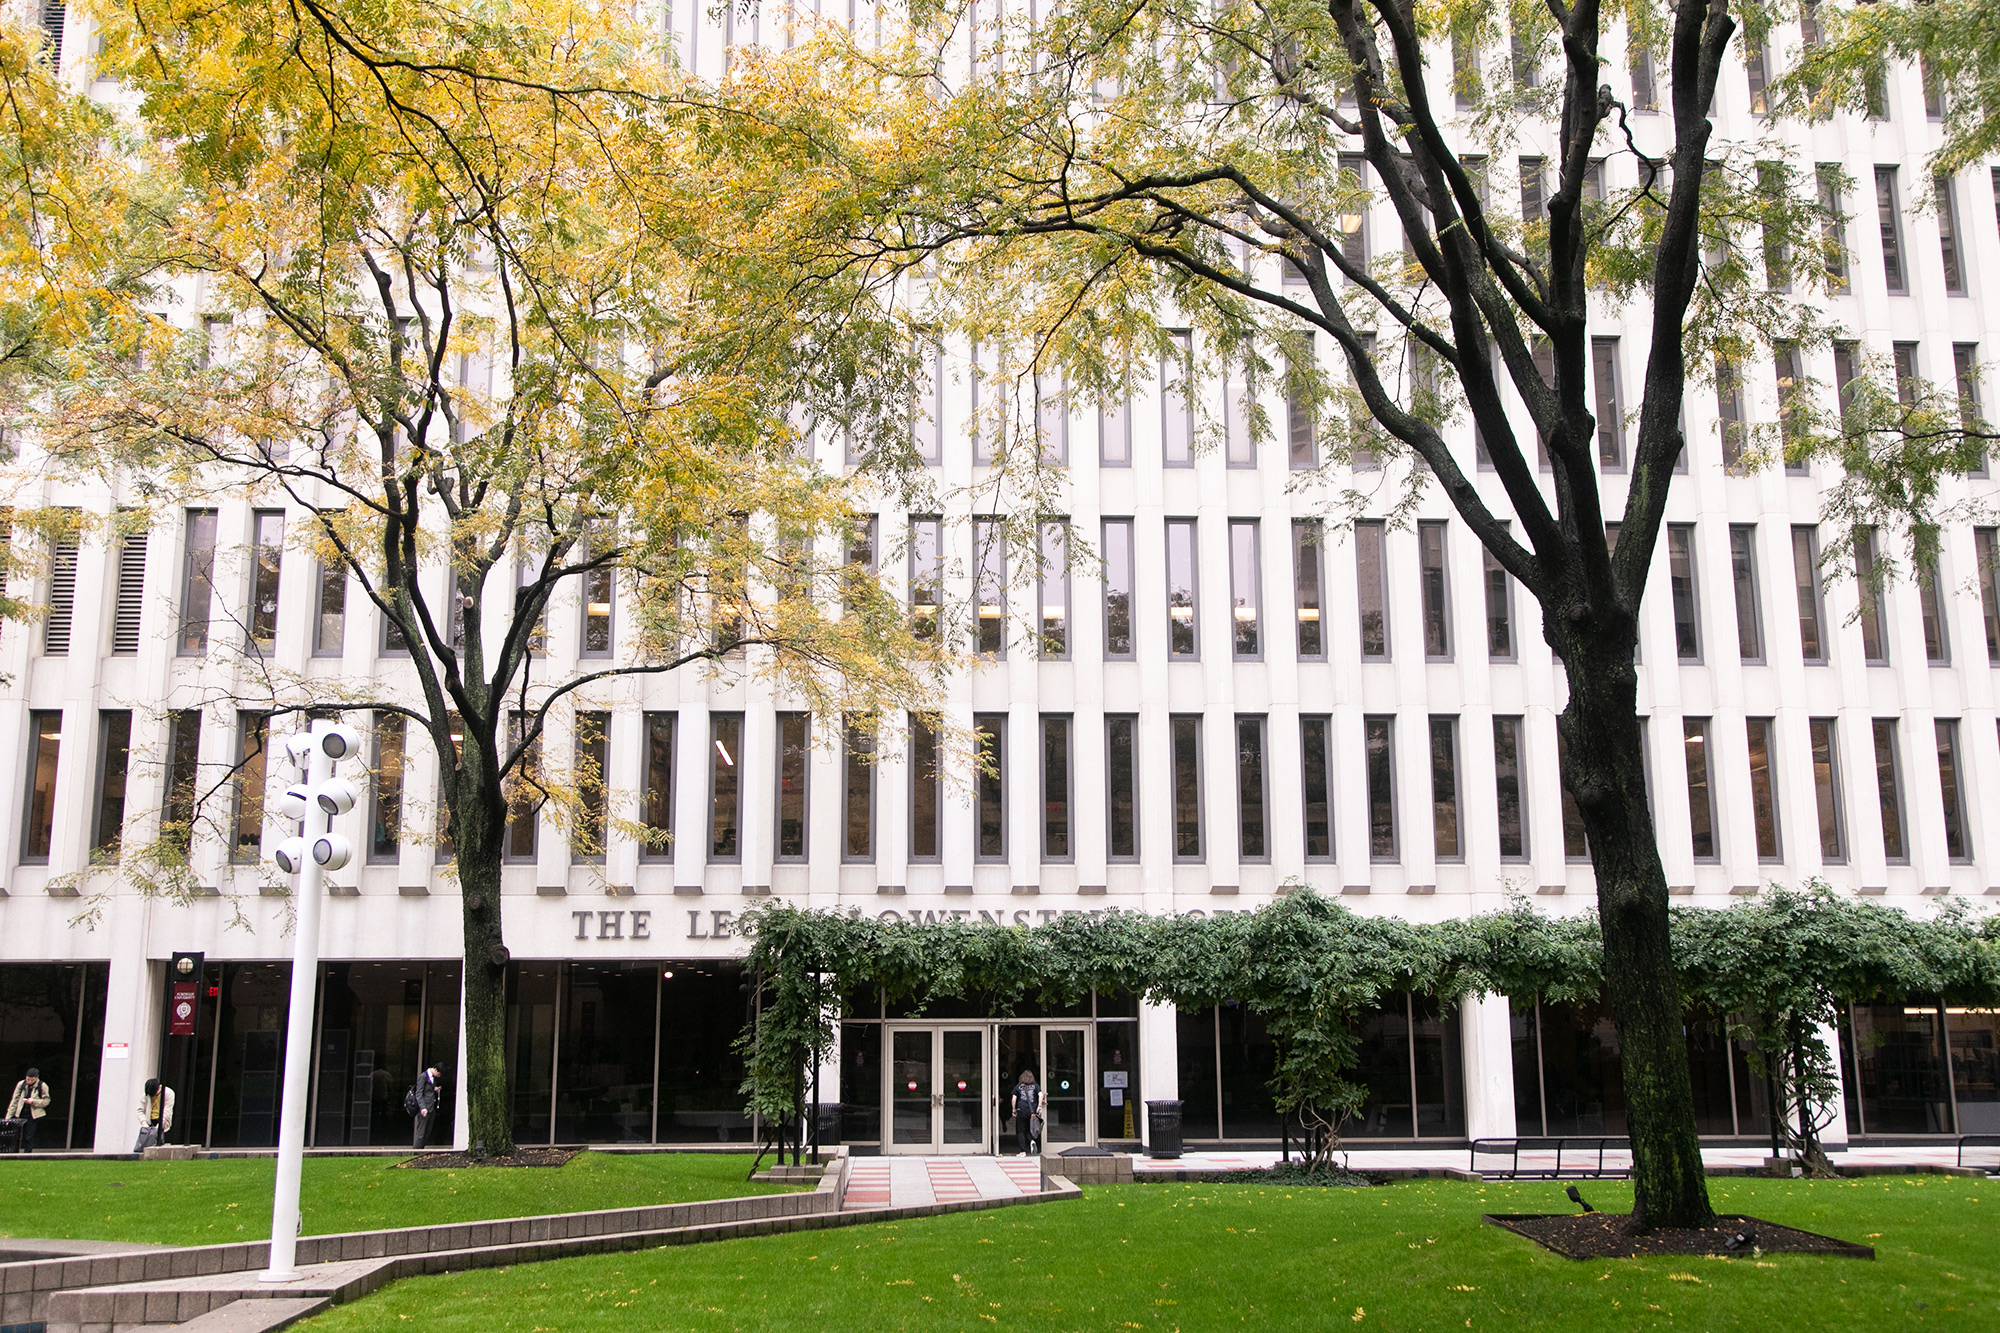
[
  {"x": 722, "y": 923},
  {"x": 611, "y": 925}
]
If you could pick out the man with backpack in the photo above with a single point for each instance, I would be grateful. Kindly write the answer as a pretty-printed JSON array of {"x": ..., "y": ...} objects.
[
  {"x": 421, "y": 1102},
  {"x": 28, "y": 1105},
  {"x": 1027, "y": 1113}
]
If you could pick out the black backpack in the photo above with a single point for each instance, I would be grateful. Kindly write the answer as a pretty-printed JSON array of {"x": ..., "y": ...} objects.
[{"x": 412, "y": 1104}]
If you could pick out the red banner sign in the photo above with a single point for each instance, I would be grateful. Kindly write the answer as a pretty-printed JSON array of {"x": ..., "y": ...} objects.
[{"x": 180, "y": 1009}]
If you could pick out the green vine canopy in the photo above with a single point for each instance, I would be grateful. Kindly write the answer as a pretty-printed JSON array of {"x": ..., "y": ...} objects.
[{"x": 1311, "y": 968}]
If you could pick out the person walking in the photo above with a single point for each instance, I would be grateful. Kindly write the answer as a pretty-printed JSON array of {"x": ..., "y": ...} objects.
[
  {"x": 28, "y": 1105},
  {"x": 156, "y": 1115},
  {"x": 1028, "y": 1113},
  {"x": 429, "y": 1093}
]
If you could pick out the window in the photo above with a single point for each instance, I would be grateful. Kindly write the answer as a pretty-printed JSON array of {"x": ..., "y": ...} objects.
[
  {"x": 1950, "y": 244},
  {"x": 926, "y": 577},
  {"x": 1888, "y": 214},
  {"x": 859, "y": 560},
  {"x": 267, "y": 540},
  {"x": 725, "y": 786},
  {"x": 1114, "y": 433},
  {"x": 600, "y": 588},
  {"x": 1117, "y": 549},
  {"x": 114, "y": 760},
  {"x": 926, "y": 788},
  {"x": 989, "y": 595},
  {"x": 1245, "y": 590},
  {"x": 1176, "y": 415},
  {"x": 62, "y": 595},
  {"x": 1986, "y": 547},
  {"x": 197, "y": 581},
  {"x": 794, "y": 790},
  {"x": 1889, "y": 791},
  {"x": 1874, "y": 646},
  {"x": 1301, "y": 439},
  {"x": 1534, "y": 197},
  {"x": 1308, "y": 601},
  {"x": 1846, "y": 372},
  {"x": 1052, "y": 420},
  {"x": 1965, "y": 370},
  {"x": 44, "y": 750},
  {"x": 591, "y": 750},
  {"x": 441, "y": 850},
  {"x": 1760, "y": 732},
  {"x": 1681, "y": 583},
  {"x": 1743, "y": 576},
  {"x": 1701, "y": 792},
  {"x": 1957, "y": 829},
  {"x": 1527, "y": 68},
  {"x": 1182, "y": 641},
  {"x": 927, "y": 404},
  {"x": 1377, "y": 733},
  {"x": 1832, "y": 226},
  {"x": 330, "y": 617},
  {"x": 857, "y": 816},
  {"x": 989, "y": 731},
  {"x": 528, "y": 567},
  {"x": 1353, "y": 220},
  {"x": 1499, "y": 608},
  {"x": 1057, "y": 832},
  {"x": 1371, "y": 588},
  {"x": 1436, "y": 591},
  {"x": 129, "y": 607},
  {"x": 1903, "y": 356},
  {"x": 385, "y": 816},
  {"x": 1645, "y": 88},
  {"x": 1508, "y": 789},
  {"x": 1791, "y": 420},
  {"x": 1757, "y": 67},
  {"x": 988, "y": 419},
  {"x": 1464, "y": 69},
  {"x": 1609, "y": 406},
  {"x": 1805, "y": 581},
  {"x": 1933, "y": 90},
  {"x": 1771, "y": 183},
  {"x": 1184, "y": 733},
  {"x": 1121, "y": 782},
  {"x": 247, "y": 835},
  {"x": 1825, "y": 738},
  {"x": 657, "y": 797},
  {"x": 1931, "y": 594},
  {"x": 1316, "y": 756},
  {"x": 1444, "y": 788},
  {"x": 1239, "y": 398},
  {"x": 1729, "y": 413},
  {"x": 1053, "y": 591},
  {"x": 1576, "y": 840},
  {"x": 1252, "y": 791},
  {"x": 183, "y": 772},
  {"x": 524, "y": 804}
]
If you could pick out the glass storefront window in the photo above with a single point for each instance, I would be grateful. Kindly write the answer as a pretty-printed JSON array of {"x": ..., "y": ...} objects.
[
  {"x": 1438, "y": 1068},
  {"x": 250, "y": 1054},
  {"x": 1583, "y": 1091},
  {"x": 52, "y": 1020},
  {"x": 531, "y": 1026},
  {"x": 1893, "y": 1057},
  {"x": 373, "y": 1042},
  {"x": 1119, "y": 1116},
  {"x": 861, "y": 1083},
  {"x": 605, "y": 1054},
  {"x": 1975, "y": 1068},
  {"x": 1195, "y": 1042},
  {"x": 1248, "y": 1060},
  {"x": 703, "y": 1007}
]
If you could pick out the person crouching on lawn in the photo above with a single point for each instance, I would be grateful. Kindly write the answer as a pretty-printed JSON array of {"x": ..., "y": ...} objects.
[{"x": 156, "y": 1115}]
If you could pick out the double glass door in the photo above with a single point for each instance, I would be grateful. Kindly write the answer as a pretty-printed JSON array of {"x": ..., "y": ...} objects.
[
  {"x": 937, "y": 1090},
  {"x": 951, "y": 1088}
]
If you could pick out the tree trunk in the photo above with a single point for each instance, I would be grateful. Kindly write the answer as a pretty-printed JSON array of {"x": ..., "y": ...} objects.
[
  {"x": 476, "y": 849},
  {"x": 1607, "y": 775}
]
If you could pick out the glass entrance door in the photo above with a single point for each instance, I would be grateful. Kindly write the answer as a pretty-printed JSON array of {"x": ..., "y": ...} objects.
[
  {"x": 937, "y": 1090},
  {"x": 1060, "y": 1059}
]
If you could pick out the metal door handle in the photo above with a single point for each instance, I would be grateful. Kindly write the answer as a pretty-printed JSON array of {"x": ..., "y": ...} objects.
[{"x": 937, "y": 1099}]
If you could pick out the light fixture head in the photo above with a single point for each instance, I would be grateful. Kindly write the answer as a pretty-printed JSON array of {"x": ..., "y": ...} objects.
[
  {"x": 336, "y": 796},
  {"x": 339, "y": 741},
  {"x": 295, "y": 801},
  {"x": 298, "y": 747},
  {"x": 290, "y": 855},
  {"x": 332, "y": 851}
]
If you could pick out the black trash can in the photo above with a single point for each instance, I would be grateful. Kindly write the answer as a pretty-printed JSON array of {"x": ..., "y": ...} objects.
[{"x": 1163, "y": 1129}]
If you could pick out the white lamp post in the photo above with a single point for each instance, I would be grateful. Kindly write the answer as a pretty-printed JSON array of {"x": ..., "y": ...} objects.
[{"x": 317, "y": 800}]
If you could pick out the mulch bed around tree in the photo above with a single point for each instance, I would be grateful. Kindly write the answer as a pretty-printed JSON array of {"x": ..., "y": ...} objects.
[
  {"x": 1603, "y": 1236},
  {"x": 464, "y": 1160}
]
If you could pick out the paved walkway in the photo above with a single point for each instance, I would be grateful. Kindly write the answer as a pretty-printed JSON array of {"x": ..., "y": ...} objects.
[{"x": 909, "y": 1182}]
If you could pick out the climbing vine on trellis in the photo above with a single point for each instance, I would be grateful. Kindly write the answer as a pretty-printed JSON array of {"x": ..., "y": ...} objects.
[{"x": 1310, "y": 968}]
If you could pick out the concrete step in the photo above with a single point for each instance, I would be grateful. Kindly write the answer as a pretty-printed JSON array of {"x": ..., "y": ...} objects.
[{"x": 266, "y": 1316}]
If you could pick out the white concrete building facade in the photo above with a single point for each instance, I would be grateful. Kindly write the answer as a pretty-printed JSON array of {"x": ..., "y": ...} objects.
[{"x": 1253, "y": 696}]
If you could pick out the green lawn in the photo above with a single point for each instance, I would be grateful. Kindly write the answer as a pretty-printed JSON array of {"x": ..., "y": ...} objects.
[
  {"x": 1411, "y": 1256},
  {"x": 204, "y": 1202}
]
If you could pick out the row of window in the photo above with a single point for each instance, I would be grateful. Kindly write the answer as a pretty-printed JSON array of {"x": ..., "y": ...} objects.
[
  {"x": 1054, "y": 783},
  {"x": 1248, "y": 624}
]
